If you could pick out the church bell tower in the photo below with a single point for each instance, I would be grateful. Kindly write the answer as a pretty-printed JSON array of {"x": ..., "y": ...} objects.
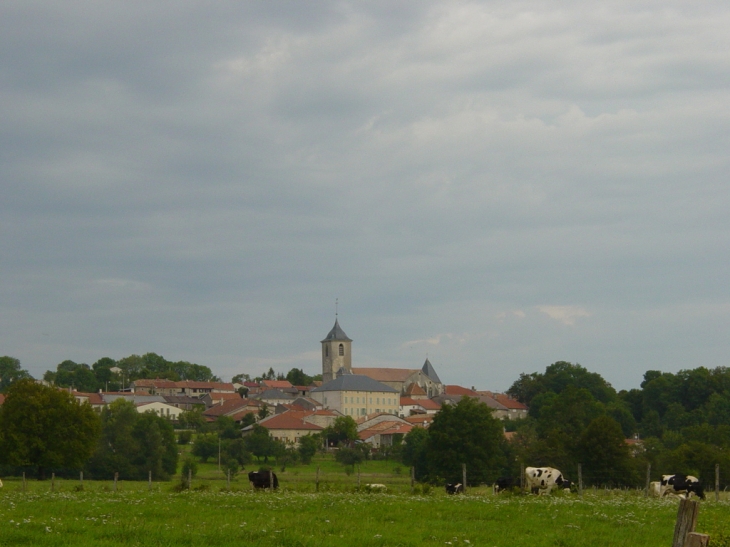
[{"x": 336, "y": 353}]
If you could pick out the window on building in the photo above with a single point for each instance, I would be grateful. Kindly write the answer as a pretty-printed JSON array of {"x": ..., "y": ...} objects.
[{"x": 342, "y": 349}]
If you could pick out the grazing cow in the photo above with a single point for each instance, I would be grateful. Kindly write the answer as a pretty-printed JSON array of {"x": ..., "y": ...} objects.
[
  {"x": 454, "y": 488},
  {"x": 505, "y": 483},
  {"x": 376, "y": 487},
  {"x": 261, "y": 479},
  {"x": 542, "y": 480},
  {"x": 681, "y": 484}
]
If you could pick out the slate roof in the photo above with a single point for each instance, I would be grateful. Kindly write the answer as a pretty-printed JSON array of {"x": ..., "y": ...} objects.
[
  {"x": 429, "y": 371},
  {"x": 354, "y": 382},
  {"x": 337, "y": 334}
]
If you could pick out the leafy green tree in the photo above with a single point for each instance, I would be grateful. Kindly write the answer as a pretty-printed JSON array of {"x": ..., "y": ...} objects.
[
  {"x": 308, "y": 446},
  {"x": 605, "y": 456},
  {"x": 414, "y": 454},
  {"x": 192, "y": 418},
  {"x": 349, "y": 456},
  {"x": 263, "y": 411},
  {"x": 227, "y": 428},
  {"x": 558, "y": 377},
  {"x": 10, "y": 372},
  {"x": 132, "y": 444},
  {"x": 297, "y": 377},
  {"x": 248, "y": 419},
  {"x": 466, "y": 433},
  {"x": 236, "y": 449},
  {"x": 45, "y": 428},
  {"x": 205, "y": 446},
  {"x": 342, "y": 431},
  {"x": 240, "y": 378},
  {"x": 260, "y": 443}
]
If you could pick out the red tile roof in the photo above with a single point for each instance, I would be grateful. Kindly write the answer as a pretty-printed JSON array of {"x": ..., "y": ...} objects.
[
  {"x": 229, "y": 407},
  {"x": 289, "y": 420},
  {"x": 458, "y": 390},
  {"x": 415, "y": 389},
  {"x": 277, "y": 384}
]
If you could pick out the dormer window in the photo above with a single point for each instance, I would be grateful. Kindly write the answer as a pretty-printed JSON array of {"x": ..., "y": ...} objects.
[{"x": 342, "y": 349}]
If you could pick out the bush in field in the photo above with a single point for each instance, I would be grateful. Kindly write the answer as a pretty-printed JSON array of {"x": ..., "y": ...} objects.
[
  {"x": 133, "y": 444},
  {"x": 184, "y": 437},
  {"x": 189, "y": 468}
]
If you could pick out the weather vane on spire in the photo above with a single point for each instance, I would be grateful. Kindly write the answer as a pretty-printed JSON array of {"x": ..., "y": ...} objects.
[{"x": 336, "y": 304}]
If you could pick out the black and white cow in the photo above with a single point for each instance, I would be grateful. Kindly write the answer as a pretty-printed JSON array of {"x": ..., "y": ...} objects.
[
  {"x": 505, "y": 483},
  {"x": 681, "y": 484},
  {"x": 454, "y": 488},
  {"x": 263, "y": 479},
  {"x": 542, "y": 480}
]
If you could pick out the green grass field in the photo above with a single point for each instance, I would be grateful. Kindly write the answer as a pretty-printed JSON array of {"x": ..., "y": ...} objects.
[{"x": 212, "y": 515}]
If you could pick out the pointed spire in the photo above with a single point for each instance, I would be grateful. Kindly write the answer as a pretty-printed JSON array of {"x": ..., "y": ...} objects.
[
  {"x": 429, "y": 371},
  {"x": 337, "y": 334}
]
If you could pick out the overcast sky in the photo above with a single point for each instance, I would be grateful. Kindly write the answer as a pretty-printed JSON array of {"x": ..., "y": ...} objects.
[{"x": 496, "y": 185}]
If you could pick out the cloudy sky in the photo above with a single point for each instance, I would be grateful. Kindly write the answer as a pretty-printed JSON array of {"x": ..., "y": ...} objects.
[{"x": 496, "y": 185}]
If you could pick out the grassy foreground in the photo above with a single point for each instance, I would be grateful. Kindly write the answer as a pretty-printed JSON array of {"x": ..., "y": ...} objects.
[{"x": 289, "y": 518}]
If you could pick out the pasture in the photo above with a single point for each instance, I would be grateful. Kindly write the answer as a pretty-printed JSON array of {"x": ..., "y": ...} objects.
[{"x": 213, "y": 516}]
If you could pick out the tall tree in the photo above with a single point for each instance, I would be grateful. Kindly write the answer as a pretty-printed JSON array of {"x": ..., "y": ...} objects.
[
  {"x": 10, "y": 372},
  {"x": 45, "y": 428},
  {"x": 466, "y": 433},
  {"x": 603, "y": 451}
]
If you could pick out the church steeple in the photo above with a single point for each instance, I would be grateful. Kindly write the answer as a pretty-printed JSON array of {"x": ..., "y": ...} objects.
[{"x": 336, "y": 352}]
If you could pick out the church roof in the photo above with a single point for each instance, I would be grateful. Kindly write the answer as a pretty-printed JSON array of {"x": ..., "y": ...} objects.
[
  {"x": 337, "y": 334},
  {"x": 429, "y": 371},
  {"x": 354, "y": 382}
]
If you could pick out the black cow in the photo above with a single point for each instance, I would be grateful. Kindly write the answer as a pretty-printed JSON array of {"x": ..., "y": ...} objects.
[
  {"x": 681, "y": 484},
  {"x": 505, "y": 483},
  {"x": 262, "y": 479},
  {"x": 454, "y": 488}
]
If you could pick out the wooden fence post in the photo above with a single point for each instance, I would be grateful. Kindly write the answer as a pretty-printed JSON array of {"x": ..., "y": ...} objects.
[
  {"x": 116, "y": 478},
  {"x": 53, "y": 482},
  {"x": 463, "y": 477},
  {"x": 81, "y": 478},
  {"x": 686, "y": 521},
  {"x": 580, "y": 480},
  {"x": 228, "y": 480},
  {"x": 522, "y": 477},
  {"x": 149, "y": 480},
  {"x": 271, "y": 481},
  {"x": 648, "y": 480},
  {"x": 717, "y": 482},
  {"x": 413, "y": 478},
  {"x": 190, "y": 478},
  {"x": 24, "y": 487},
  {"x": 316, "y": 484}
]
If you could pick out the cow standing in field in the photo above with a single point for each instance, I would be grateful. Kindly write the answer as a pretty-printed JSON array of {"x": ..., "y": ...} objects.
[
  {"x": 454, "y": 488},
  {"x": 376, "y": 488},
  {"x": 263, "y": 479},
  {"x": 681, "y": 485},
  {"x": 542, "y": 480}
]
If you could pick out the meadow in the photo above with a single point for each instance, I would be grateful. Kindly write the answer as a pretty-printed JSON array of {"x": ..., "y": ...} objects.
[{"x": 212, "y": 514}]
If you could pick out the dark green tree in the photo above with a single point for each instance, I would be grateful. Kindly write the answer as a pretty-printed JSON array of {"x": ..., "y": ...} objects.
[
  {"x": 308, "y": 446},
  {"x": 414, "y": 454},
  {"x": 10, "y": 372},
  {"x": 342, "y": 431},
  {"x": 205, "y": 446},
  {"x": 45, "y": 428},
  {"x": 466, "y": 433},
  {"x": 260, "y": 443},
  {"x": 133, "y": 444},
  {"x": 604, "y": 454},
  {"x": 296, "y": 377}
]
